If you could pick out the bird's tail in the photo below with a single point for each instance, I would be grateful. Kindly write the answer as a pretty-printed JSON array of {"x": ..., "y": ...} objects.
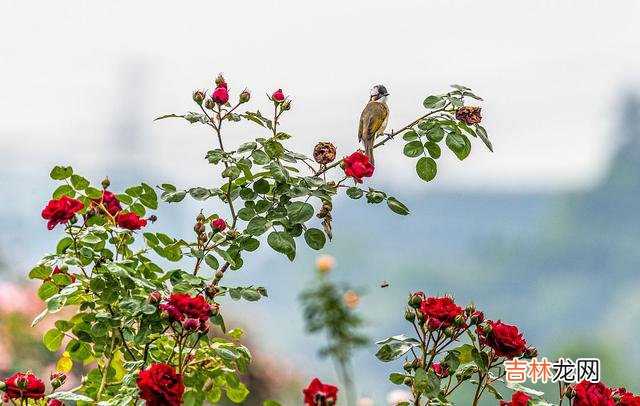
[{"x": 368, "y": 151}]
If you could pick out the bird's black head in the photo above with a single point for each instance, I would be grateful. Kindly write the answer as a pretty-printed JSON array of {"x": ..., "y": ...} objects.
[{"x": 378, "y": 92}]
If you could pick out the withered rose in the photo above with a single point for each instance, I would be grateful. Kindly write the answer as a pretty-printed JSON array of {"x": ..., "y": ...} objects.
[
  {"x": 324, "y": 153},
  {"x": 469, "y": 115}
]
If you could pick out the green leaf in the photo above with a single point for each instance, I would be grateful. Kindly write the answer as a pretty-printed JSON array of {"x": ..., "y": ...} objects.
[
  {"x": 518, "y": 387},
  {"x": 247, "y": 146},
  {"x": 315, "y": 238},
  {"x": 282, "y": 242},
  {"x": 433, "y": 149},
  {"x": 53, "y": 339},
  {"x": 70, "y": 396},
  {"x": 260, "y": 157},
  {"x": 427, "y": 383},
  {"x": 397, "y": 207},
  {"x": 410, "y": 136},
  {"x": 270, "y": 403},
  {"x": 63, "y": 190},
  {"x": 354, "y": 192},
  {"x": 232, "y": 172},
  {"x": 258, "y": 226},
  {"x": 61, "y": 172},
  {"x": 299, "y": 212},
  {"x": 413, "y": 149},
  {"x": 79, "y": 182},
  {"x": 482, "y": 133},
  {"x": 261, "y": 186},
  {"x": 200, "y": 193},
  {"x": 459, "y": 144},
  {"x": 392, "y": 351},
  {"x": 40, "y": 272},
  {"x": 212, "y": 261},
  {"x": 434, "y": 102},
  {"x": 426, "y": 168},
  {"x": 173, "y": 196},
  {"x": 435, "y": 133},
  {"x": 397, "y": 378},
  {"x": 47, "y": 290}
]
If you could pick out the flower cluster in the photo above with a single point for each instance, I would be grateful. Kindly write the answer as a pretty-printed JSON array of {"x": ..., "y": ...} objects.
[
  {"x": 160, "y": 385},
  {"x": 588, "y": 394},
  {"x": 192, "y": 312},
  {"x": 109, "y": 203}
]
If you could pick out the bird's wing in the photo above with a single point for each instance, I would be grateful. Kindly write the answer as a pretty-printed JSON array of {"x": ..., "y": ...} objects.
[{"x": 371, "y": 119}]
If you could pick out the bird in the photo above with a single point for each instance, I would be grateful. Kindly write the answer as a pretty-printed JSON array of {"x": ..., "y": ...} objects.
[{"x": 373, "y": 119}]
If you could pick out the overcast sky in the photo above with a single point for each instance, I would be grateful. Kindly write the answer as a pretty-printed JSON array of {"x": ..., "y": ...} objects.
[{"x": 73, "y": 74}]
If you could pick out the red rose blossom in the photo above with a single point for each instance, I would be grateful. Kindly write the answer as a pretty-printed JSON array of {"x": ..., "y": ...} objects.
[
  {"x": 160, "y": 385},
  {"x": 440, "y": 312},
  {"x": 109, "y": 201},
  {"x": 320, "y": 394},
  {"x": 503, "y": 338},
  {"x": 130, "y": 221},
  {"x": 61, "y": 210},
  {"x": 55, "y": 402},
  {"x": 221, "y": 94},
  {"x": 57, "y": 270},
  {"x": 357, "y": 166},
  {"x": 592, "y": 394},
  {"x": 278, "y": 96},
  {"x": 218, "y": 224},
  {"x": 181, "y": 306},
  {"x": 517, "y": 399},
  {"x": 440, "y": 372},
  {"x": 34, "y": 388}
]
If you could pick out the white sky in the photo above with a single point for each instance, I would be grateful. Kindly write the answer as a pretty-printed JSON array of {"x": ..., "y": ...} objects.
[{"x": 551, "y": 73}]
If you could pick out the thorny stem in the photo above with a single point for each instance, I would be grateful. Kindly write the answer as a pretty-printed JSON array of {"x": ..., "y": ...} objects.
[{"x": 105, "y": 371}]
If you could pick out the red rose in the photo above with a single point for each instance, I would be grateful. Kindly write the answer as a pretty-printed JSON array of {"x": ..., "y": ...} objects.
[
  {"x": 181, "y": 306},
  {"x": 504, "y": 339},
  {"x": 320, "y": 394},
  {"x": 629, "y": 400},
  {"x": 160, "y": 385},
  {"x": 33, "y": 387},
  {"x": 440, "y": 372},
  {"x": 517, "y": 399},
  {"x": 55, "y": 402},
  {"x": 57, "y": 270},
  {"x": 440, "y": 312},
  {"x": 218, "y": 224},
  {"x": 221, "y": 94},
  {"x": 357, "y": 166},
  {"x": 130, "y": 221},
  {"x": 592, "y": 394},
  {"x": 109, "y": 201},
  {"x": 61, "y": 210},
  {"x": 278, "y": 96}
]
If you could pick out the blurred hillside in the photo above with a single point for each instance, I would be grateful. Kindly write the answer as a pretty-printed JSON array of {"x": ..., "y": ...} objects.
[{"x": 562, "y": 266}]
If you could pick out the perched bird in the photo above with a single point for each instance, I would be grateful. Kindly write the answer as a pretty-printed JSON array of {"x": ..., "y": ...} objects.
[{"x": 373, "y": 119}]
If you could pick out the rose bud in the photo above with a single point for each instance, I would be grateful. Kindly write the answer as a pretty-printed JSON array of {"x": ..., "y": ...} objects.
[
  {"x": 212, "y": 291},
  {"x": 278, "y": 96},
  {"x": 220, "y": 80},
  {"x": 477, "y": 317},
  {"x": 220, "y": 95},
  {"x": 218, "y": 224},
  {"x": 200, "y": 217},
  {"x": 422, "y": 319},
  {"x": 530, "y": 352},
  {"x": 324, "y": 153},
  {"x": 208, "y": 385},
  {"x": 245, "y": 96},
  {"x": 459, "y": 320},
  {"x": 262, "y": 291},
  {"x": 487, "y": 328},
  {"x": 210, "y": 104},
  {"x": 215, "y": 309},
  {"x": 407, "y": 366},
  {"x": 199, "y": 228},
  {"x": 190, "y": 324},
  {"x": 470, "y": 308},
  {"x": 449, "y": 331},
  {"x": 203, "y": 238},
  {"x": 198, "y": 97},
  {"x": 154, "y": 297},
  {"x": 416, "y": 298},
  {"x": 409, "y": 315},
  {"x": 408, "y": 381},
  {"x": 58, "y": 379},
  {"x": 105, "y": 182},
  {"x": 286, "y": 105},
  {"x": 73, "y": 220}
]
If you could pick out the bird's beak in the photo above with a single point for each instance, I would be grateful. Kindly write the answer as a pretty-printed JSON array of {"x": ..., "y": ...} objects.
[{"x": 386, "y": 94}]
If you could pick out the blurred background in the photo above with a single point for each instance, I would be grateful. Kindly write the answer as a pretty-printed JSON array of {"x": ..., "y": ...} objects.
[{"x": 543, "y": 233}]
